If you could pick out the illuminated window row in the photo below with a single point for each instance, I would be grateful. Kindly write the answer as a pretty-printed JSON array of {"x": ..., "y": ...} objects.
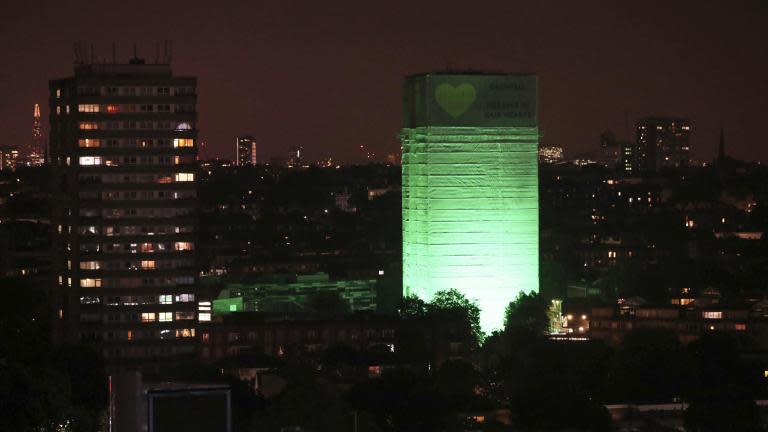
[
  {"x": 110, "y": 213},
  {"x": 134, "y": 142},
  {"x": 139, "y": 178},
  {"x": 148, "y": 264},
  {"x": 141, "y": 195},
  {"x": 143, "y": 247},
  {"x": 135, "y": 125},
  {"x": 134, "y": 108},
  {"x": 114, "y": 161},
  {"x": 140, "y": 282},
  {"x": 132, "y": 230},
  {"x": 140, "y": 300}
]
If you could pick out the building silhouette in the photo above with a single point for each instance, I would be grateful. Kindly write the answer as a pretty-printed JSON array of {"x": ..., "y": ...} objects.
[
  {"x": 245, "y": 147},
  {"x": 36, "y": 153},
  {"x": 123, "y": 143},
  {"x": 664, "y": 142}
]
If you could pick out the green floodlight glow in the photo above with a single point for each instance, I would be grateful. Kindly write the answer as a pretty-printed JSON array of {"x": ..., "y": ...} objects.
[{"x": 470, "y": 189}]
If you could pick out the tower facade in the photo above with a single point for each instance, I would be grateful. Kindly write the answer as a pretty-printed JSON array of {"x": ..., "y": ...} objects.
[
  {"x": 665, "y": 142},
  {"x": 246, "y": 150},
  {"x": 470, "y": 188},
  {"x": 36, "y": 152},
  {"x": 123, "y": 142}
]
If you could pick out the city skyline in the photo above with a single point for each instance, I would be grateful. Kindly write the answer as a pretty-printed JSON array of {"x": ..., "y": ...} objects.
[{"x": 311, "y": 83}]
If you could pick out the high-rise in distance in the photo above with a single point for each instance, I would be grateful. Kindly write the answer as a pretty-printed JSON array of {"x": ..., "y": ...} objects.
[
  {"x": 123, "y": 143},
  {"x": 664, "y": 142},
  {"x": 245, "y": 147},
  {"x": 470, "y": 188}
]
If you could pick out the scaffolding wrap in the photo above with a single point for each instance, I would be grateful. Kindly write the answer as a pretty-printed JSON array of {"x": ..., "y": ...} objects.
[{"x": 471, "y": 214}]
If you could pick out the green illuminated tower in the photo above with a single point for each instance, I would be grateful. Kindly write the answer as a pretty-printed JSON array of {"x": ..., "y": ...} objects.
[{"x": 470, "y": 188}]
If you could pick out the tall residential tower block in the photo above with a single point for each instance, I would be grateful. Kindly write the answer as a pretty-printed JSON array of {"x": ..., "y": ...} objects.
[
  {"x": 470, "y": 188},
  {"x": 123, "y": 142}
]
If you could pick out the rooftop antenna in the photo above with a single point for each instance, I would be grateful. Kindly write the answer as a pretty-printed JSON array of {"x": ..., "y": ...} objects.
[
  {"x": 92, "y": 54},
  {"x": 134, "y": 51}
]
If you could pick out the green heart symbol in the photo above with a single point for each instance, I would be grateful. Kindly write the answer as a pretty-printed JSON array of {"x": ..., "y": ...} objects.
[{"x": 455, "y": 100}]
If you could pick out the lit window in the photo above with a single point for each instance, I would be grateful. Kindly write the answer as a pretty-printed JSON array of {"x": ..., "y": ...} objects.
[
  {"x": 58, "y": 93},
  {"x": 183, "y": 246},
  {"x": 712, "y": 315},
  {"x": 165, "y": 316},
  {"x": 147, "y": 317},
  {"x": 183, "y": 142},
  {"x": 113, "y": 108},
  {"x": 90, "y": 265},
  {"x": 89, "y": 142},
  {"x": 166, "y": 299},
  {"x": 88, "y": 108},
  {"x": 185, "y": 298},
  {"x": 129, "y": 335},
  {"x": 183, "y": 126},
  {"x": 148, "y": 264},
  {"x": 90, "y": 283},
  {"x": 740, "y": 326},
  {"x": 184, "y": 177},
  {"x": 204, "y": 316},
  {"x": 89, "y": 125},
  {"x": 185, "y": 333},
  {"x": 90, "y": 160}
]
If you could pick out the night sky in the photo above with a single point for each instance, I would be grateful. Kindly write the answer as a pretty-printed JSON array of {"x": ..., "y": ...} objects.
[{"x": 327, "y": 75}]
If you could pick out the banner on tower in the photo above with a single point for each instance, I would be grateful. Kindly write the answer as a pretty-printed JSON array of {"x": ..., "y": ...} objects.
[{"x": 473, "y": 100}]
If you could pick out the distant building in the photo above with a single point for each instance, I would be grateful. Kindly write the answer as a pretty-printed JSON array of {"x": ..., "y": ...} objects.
[
  {"x": 138, "y": 405},
  {"x": 437, "y": 339},
  {"x": 124, "y": 141},
  {"x": 246, "y": 150},
  {"x": 296, "y": 156},
  {"x": 665, "y": 142},
  {"x": 610, "y": 150},
  {"x": 632, "y": 157},
  {"x": 9, "y": 157},
  {"x": 294, "y": 294},
  {"x": 36, "y": 153},
  {"x": 550, "y": 154}
]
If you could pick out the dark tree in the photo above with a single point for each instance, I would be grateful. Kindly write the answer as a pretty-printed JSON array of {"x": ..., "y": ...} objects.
[
  {"x": 527, "y": 314},
  {"x": 722, "y": 394},
  {"x": 453, "y": 303},
  {"x": 649, "y": 366}
]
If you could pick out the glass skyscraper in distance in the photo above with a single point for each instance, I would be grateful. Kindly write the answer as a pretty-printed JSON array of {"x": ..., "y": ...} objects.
[{"x": 470, "y": 188}]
